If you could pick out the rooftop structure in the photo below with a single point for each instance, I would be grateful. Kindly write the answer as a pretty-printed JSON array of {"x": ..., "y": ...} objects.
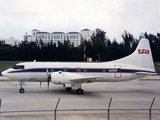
[{"x": 86, "y": 34}]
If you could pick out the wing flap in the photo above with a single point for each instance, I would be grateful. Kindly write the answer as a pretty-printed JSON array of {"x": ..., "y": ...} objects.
[
  {"x": 76, "y": 77},
  {"x": 86, "y": 79}
]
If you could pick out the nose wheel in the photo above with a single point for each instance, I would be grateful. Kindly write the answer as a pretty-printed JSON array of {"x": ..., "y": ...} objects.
[{"x": 21, "y": 90}]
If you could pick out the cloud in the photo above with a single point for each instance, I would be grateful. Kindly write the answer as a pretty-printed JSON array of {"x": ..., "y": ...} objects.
[{"x": 112, "y": 16}]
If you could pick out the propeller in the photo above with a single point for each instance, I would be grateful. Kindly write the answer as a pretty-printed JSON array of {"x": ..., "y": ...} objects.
[
  {"x": 40, "y": 84},
  {"x": 48, "y": 77}
]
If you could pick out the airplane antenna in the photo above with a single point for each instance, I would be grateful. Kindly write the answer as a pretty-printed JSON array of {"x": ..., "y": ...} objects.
[{"x": 34, "y": 61}]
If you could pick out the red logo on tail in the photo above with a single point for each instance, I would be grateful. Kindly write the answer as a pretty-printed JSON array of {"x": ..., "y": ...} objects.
[{"x": 143, "y": 51}]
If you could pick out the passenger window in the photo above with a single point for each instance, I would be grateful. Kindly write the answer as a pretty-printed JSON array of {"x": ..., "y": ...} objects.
[
  {"x": 78, "y": 69},
  {"x": 52, "y": 70},
  {"x": 84, "y": 70},
  {"x": 65, "y": 69}
]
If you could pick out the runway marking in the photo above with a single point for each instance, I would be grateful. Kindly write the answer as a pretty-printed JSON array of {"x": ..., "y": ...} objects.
[
  {"x": 5, "y": 80},
  {"x": 74, "y": 117},
  {"x": 149, "y": 79}
]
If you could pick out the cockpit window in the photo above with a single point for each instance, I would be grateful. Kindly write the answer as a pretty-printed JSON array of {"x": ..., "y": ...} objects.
[{"x": 18, "y": 67}]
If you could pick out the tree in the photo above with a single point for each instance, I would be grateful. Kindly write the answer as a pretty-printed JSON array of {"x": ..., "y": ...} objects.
[
  {"x": 154, "y": 43},
  {"x": 129, "y": 42},
  {"x": 99, "y": 45},
  {"x": 98, "y": 41}
]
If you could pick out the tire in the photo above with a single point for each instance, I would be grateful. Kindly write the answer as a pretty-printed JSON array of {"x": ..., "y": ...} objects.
[
  {"x": 21, "y": 90},
  {"x": 68, "y": 88},
  {"x": 79, "y": 91}
]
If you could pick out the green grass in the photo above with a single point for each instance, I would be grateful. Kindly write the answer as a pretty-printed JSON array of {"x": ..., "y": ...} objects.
[
  {"x": 7, "y": 64},
  {"x": 157, "y": 66}
]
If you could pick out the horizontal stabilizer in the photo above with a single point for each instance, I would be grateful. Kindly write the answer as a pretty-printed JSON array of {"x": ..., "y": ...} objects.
[{"x": 145, "y": 73}]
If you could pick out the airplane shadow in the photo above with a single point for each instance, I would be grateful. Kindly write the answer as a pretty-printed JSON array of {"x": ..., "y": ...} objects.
[
  {"x": 100, "y": 93},
  {"x": 63, "y": 92}
]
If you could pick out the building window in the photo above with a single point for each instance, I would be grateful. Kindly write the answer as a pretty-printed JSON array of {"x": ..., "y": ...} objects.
[
  {"x": 72, "y": 36},
  {"x": 56, "y": 36},
  {"x": 2, "y": 42},
  {"x": 45, "y": 36},
  {"x": 40, "y": 36}
]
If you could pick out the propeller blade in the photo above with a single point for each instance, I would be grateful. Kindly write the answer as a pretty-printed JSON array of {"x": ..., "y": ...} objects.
[
  {"x": 48, "y": 77},
  {"x": 47, "y": 72},
  {"x": 40, "y": 84}
]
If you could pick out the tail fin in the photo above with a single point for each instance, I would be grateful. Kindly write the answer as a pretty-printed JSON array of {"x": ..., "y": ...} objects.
[{"x": 141, "y": 57}]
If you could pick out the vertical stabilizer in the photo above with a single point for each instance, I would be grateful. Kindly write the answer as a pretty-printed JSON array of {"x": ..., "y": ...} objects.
[{"x": 141, "y": 57}]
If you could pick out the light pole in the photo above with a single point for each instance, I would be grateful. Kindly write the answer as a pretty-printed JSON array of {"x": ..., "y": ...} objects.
[{"x": 85, "y": 50}]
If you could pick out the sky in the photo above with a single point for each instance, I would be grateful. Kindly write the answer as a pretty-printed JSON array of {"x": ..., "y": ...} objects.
[{"x": 113, "y": 16}]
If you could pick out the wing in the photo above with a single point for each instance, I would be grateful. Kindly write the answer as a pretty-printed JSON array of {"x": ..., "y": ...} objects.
[
  {"x": 74, "y": 77},
  {"x": 85, "y": 79}
]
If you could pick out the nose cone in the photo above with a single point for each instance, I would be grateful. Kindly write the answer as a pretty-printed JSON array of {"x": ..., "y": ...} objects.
[{"x": 4, "y": 73}]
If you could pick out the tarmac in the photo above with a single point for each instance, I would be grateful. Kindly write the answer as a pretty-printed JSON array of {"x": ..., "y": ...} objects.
[{"x": 130, "y": 100}]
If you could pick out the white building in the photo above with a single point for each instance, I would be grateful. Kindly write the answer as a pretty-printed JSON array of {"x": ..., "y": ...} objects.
[
  {"x": 27, "y": 37},
  {"x": 44, "y": 36},
  {"x": 48, "y": 37},
  {"x": 34, "y": 31},
  {"x": 73, "y": 37},
  {"x": 10, "y": 41},
  {"x": 86, "y": 34},
  {"x": 58, "y": 36}
]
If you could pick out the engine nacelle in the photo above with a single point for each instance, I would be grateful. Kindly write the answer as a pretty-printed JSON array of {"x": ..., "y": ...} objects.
[
  {"x": 60, "y": 78},
  {"x": 64, "y": 77}
]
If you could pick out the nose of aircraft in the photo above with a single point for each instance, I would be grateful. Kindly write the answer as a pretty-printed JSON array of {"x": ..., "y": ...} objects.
[{"x": 3, "y": 73}]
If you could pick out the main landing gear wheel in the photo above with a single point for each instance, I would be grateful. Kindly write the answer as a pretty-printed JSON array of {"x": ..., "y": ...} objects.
[
  {"x": 21, "y": 90},
  {"x": 79, "y": 91}
]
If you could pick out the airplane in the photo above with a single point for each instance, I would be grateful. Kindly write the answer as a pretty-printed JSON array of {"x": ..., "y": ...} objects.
[{"x": 73, "y": 74}]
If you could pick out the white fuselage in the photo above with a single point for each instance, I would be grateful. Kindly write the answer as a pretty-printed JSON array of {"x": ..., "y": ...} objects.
[{"x": 107, "y": 71}]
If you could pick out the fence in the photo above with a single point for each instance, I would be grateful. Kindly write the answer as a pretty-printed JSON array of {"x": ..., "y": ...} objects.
[{"x": 107, "y": 111}]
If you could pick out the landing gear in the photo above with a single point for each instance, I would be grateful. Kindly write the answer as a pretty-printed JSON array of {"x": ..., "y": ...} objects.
[
  {"x": 21, "y": 90},
  {"x": 68, "y": 88},
  {"x": 79, "y": 91}
]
